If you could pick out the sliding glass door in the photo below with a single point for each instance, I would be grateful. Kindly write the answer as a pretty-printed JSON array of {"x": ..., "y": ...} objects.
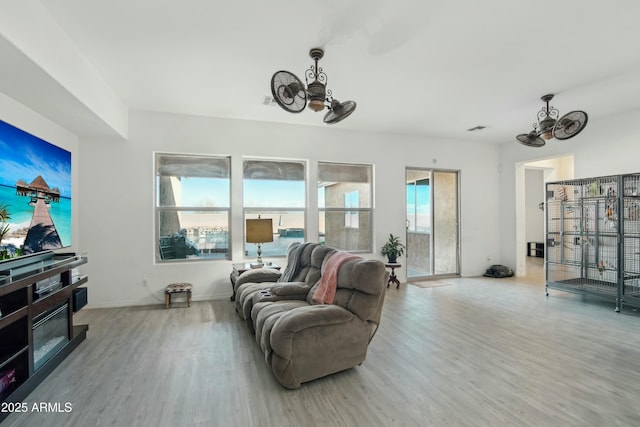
[
  {"x": 432, "y": 223},
  {"x": 445, "y": 223},
  {"x": 418, "y": 187}
]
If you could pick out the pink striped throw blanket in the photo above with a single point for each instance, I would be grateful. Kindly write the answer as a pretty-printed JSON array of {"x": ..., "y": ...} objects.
[{"x": 326, "y": 292}]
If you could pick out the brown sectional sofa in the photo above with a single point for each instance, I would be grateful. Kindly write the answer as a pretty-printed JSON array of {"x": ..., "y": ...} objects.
[{"x": 302, "y": 339}]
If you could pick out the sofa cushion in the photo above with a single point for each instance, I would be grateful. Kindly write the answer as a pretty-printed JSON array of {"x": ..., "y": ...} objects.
[
  {"x": 265, "y": 315},
  {"x": 290, "y": 289},
  {"x": 258, "y": 275},
  {"x": 360, "y": 283},
  {"x": 244, "y": 297},
  {"x": 308, "y": 272},
  {"x": 311, "y": 261},
  {"x": 326, "y": 291},
  {"x": 313, "y": 341}
]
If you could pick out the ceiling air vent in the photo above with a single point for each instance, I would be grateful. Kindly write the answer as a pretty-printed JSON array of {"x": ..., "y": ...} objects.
[{"x": 269, "y": 101}]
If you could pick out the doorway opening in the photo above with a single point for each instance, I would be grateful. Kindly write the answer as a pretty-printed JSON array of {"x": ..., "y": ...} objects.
[{"x": 531, "y": 179}]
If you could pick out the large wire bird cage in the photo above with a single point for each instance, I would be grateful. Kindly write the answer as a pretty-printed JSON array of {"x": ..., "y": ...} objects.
[{"x": 593, "y": 237}]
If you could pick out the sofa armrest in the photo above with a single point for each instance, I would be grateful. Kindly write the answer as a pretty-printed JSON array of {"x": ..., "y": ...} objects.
[
  {"x": 291, "y": 289},
  {"x": 258, "y": 275},
  {"x": 302, "y": 318},
  {"x": 281, "y": 292}
]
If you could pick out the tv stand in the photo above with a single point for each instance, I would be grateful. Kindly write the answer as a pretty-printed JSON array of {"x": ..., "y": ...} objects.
[{"x": 38, "y": 295}]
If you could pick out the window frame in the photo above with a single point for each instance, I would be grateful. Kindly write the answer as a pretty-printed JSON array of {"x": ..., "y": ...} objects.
[
  {"x": 159, "y": 210},
  {"x": 250, "y": 211},
  {"x": 349, "y": 211}
]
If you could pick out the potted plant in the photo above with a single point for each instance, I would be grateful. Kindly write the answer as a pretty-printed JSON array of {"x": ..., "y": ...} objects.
[{"x": 393, "y": 248}]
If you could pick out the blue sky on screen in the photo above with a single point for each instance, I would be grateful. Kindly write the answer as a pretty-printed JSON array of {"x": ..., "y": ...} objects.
[{"x": 25, "y": 156}]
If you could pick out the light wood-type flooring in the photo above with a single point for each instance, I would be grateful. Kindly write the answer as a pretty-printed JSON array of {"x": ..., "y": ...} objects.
[{"x": 481, "y": 352}]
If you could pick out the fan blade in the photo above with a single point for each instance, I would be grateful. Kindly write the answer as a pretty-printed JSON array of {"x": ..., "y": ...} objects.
[
  {"x": 531, "y": 139},
  {"x": 288, "y": 91},
  {"x": 570, "y": 125},
  {"x": 295, "y": 88},
  {"x": 339, "y": 111}
]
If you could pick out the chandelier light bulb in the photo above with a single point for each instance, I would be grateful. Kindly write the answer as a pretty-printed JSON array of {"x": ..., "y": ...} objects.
[
  {"x": 316, "y": 105},
  {"x": 546, "y": 127}
]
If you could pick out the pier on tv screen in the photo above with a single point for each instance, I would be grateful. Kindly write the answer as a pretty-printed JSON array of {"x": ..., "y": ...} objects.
[{"x": 35, "y": 194}]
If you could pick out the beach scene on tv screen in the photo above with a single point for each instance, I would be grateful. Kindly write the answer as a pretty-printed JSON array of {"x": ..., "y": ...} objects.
[{"x": 35, "y": 194}]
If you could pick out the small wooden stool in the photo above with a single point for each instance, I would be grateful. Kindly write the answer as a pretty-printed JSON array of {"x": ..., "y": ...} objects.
[{"x": 177, "y": 288}]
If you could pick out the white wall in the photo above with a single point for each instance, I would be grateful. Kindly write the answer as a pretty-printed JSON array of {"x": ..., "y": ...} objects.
[
  {"x": 117, "y": 195},
  {"x": 607, "y": 146},
  {"x": 534, "y": 195}
]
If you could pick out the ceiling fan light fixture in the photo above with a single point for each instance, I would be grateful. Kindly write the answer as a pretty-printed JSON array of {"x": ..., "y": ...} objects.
[
  {"x": 546, "y": 127},
  {"x": 316, "y": 105},
  {"x": 315, "y": 96},
  {"x": 549, "y": 126}
]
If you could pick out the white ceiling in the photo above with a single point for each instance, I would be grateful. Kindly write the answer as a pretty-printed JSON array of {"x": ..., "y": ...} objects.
[{"x": 419, "y": 67}]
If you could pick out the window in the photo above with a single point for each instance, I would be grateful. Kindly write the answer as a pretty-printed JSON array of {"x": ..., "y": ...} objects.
[
  {"x": 419, "y": 205},
  {"x": 345, "y": 206},
  {"x": 192, "y": 200},
  {"x": 275, "y": 189},
  {"x": 351, "y": 200}
]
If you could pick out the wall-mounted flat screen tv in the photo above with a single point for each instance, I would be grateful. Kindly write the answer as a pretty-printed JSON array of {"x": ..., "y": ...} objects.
[{"x": 35, "y": 194}]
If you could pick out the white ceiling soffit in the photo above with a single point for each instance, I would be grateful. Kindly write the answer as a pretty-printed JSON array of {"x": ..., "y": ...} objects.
[
  {"x": 43, "y": 69},
  {"x": 419, "y": 67}
]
